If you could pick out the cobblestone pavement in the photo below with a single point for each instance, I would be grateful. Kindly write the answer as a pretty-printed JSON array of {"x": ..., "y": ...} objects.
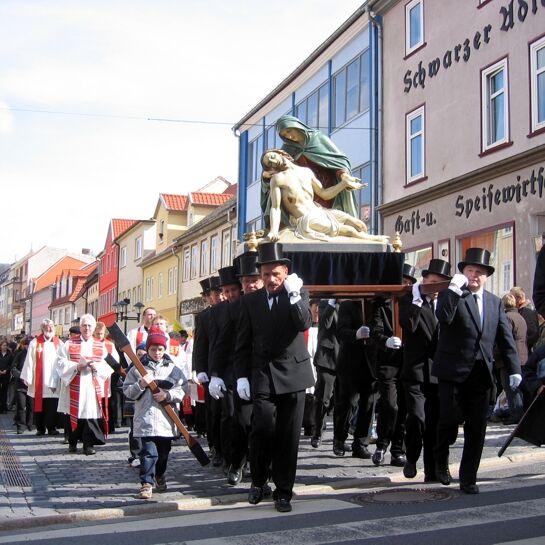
[{"x": 41, "y": 483}]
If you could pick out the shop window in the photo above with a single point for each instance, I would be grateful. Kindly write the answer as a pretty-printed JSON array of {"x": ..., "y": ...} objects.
[
  {"x": 419, "y": 258},
  {"x": 414, "y": 25},
  {"x": 415, "y": 144},
  {"x": 494, "y": 105},
  {"x": 500, "y": 242},
  {"x": 537, "y": 78}
]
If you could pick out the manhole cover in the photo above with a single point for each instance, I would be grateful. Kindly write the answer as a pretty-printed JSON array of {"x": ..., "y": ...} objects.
[{"x": 403, "y": 495}]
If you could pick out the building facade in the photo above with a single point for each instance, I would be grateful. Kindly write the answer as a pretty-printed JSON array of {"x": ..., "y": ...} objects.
[
  {"x": 335, "y": 91},
  {"x": 464, "y": 131}
]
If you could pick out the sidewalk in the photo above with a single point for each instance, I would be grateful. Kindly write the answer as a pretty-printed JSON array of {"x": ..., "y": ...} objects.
[{"x": 41, "y": 483}]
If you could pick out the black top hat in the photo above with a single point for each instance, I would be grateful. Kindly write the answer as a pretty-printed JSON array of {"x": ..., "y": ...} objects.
[
  {"x": 246, "y": 264},
  {"x": 409, "y": 272},
  {"x": 215, "y": 283},
  {"x": 205, "y": 286},
  {"x": 477, "y": 256},
  {"x": 228, "y": 276},
  {"x": 271, "y": 252},
  {"x": 438, "y": 266}
]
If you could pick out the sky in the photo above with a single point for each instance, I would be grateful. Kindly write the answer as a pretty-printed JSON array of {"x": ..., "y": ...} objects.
[{"x": 83, "y": 84}]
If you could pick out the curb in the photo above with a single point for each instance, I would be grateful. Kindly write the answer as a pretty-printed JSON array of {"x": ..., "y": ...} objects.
[{"x": 204, "y": 503}]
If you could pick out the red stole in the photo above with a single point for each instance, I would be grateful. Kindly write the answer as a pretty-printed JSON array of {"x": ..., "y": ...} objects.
[
  {"x": 140, "y": 336},
  {"x": 39, "y": 371},
  {"x": 174, "y": 347},
  {"x": 74, "y": 353}
]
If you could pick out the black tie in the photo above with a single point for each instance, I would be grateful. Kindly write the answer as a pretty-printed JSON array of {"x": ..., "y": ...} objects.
[
  {"x": 477, "y": 305},
  {"x": 274, "y": 298}
]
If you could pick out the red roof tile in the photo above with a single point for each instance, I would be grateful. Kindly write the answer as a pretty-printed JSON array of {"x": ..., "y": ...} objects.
[
  {"x": 49, "y": 277},
  {"x": 119, "y": 226},
  {"x": 210, "y": 199},
  {"x": 231, "y": 190},
  {"x": 174, "y": 202}
]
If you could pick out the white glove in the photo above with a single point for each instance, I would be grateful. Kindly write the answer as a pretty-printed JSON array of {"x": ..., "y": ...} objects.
[
  {"x": 293, "y": 285},
  {"x": 459, "y": 280},
  {"x": 216, "y": 386},
  {"x": 202, "y": 377},
  {"x": 243, "y": 388},
  {"x": 363, "y": 332},
  {"x": 514, "y": 381},
  {"x": 332, "y": 302},
  {"x": 393, "y": 342},
  {"x": 417, "y": 296}
]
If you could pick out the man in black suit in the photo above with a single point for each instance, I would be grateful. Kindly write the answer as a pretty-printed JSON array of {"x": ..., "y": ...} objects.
[
  {"x": 355, "y": 380},
  {"x": 272, "y": 366},
  {"x": 203, "y": 343},
  {"x": 325, "y": 361},
  {"x": 419, "y": 325},
  {"x": 471, "y": 320}
]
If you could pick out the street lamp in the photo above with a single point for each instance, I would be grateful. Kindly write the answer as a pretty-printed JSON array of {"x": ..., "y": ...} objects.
[{"x": 121, "y": 311}]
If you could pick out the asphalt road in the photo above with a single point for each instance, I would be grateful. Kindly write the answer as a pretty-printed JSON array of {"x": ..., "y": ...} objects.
[{"x": 509, "y": 510}]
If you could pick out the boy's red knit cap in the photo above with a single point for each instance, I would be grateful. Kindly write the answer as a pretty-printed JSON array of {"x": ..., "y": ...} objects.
[{"x": 156, "y": 336}]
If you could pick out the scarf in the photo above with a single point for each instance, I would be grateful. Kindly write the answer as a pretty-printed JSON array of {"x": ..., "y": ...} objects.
[{"x": 39, "y": 371}]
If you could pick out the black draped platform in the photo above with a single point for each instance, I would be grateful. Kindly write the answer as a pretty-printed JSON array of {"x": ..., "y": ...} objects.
[{"x": 346, "y": 268}]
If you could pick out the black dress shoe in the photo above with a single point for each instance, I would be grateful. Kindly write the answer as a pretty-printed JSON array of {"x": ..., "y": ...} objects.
[
  {"x": 282, "y": 505},
  {"x": 398, "y": 460},
  {"x": 338, "y": 448},
  {"x": 378, "y": 456},
  {"x": 234, "y": 476},
  {"x": 409, "y": 470},
  {"x": 257, "y": 493},
  {"x": 362, "y": 453},
  {"x": 89, "y": 451},
  {"x": 443, "y": 475},
  {"x": 315, "y": 442},
  {"x": 72, "y": 448},
  {"x": 430, "y": 478},
  {"x": 53, "y": 432},
  {"x": 40, "y": 432},
  {"x": 469, "y": 488},
  {"x": 19, "y": 430}
]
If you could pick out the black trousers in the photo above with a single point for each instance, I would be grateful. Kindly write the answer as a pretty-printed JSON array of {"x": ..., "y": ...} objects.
[
  {"x": 23, "y": 409},
  {"x": 391, "y": 415},
  {"x": 323, "y": 395},
  {"x": 89, "y": 432},
  {"x": 422, "y": 400},
  {"x": 352, "y": 391},
  {"x": 241, "y": 427},
  {"x": 465, "y": 402},
  {"x": 213, "y": 421},
  {"x": 274, "y": 439},
  {"x": 47, "y": 419}
]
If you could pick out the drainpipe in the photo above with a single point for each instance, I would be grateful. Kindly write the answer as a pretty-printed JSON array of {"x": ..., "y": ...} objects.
[{"x": 376, "y": 22}]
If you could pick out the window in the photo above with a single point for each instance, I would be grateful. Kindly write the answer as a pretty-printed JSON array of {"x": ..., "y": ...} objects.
[
  {"x": 500, "y": 242},
  {"x": 148, "y": 289},
  {"x": 314, "y": 109},
  {"x": 414, "y": 25},
  {"x": 255, "y": 150},
  {"x": 172, "y": 280},
  {"x": 226, "y": 248},
  {"x": 537, "y": 92},
  {"x": 161, "y": 230},
  {"x": 187, "y": 264},
  {"x": 138, "y": 248},
  {"x": 364, "y": 195},
  {"x": 160, "y": 285},
  {"x": 494, "y": 105},
  {"x": 351, "y": 90},
  {"x": 194, "y": 260},
  {"x": 214, "y": 253},
  {"x": 507, "y": 276},
  {"x": 255, "y": 224},
  {"x": 415, "y": 145},
  {"x": 123, "y": 257},
  {"x": 205, "y": 257}
]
